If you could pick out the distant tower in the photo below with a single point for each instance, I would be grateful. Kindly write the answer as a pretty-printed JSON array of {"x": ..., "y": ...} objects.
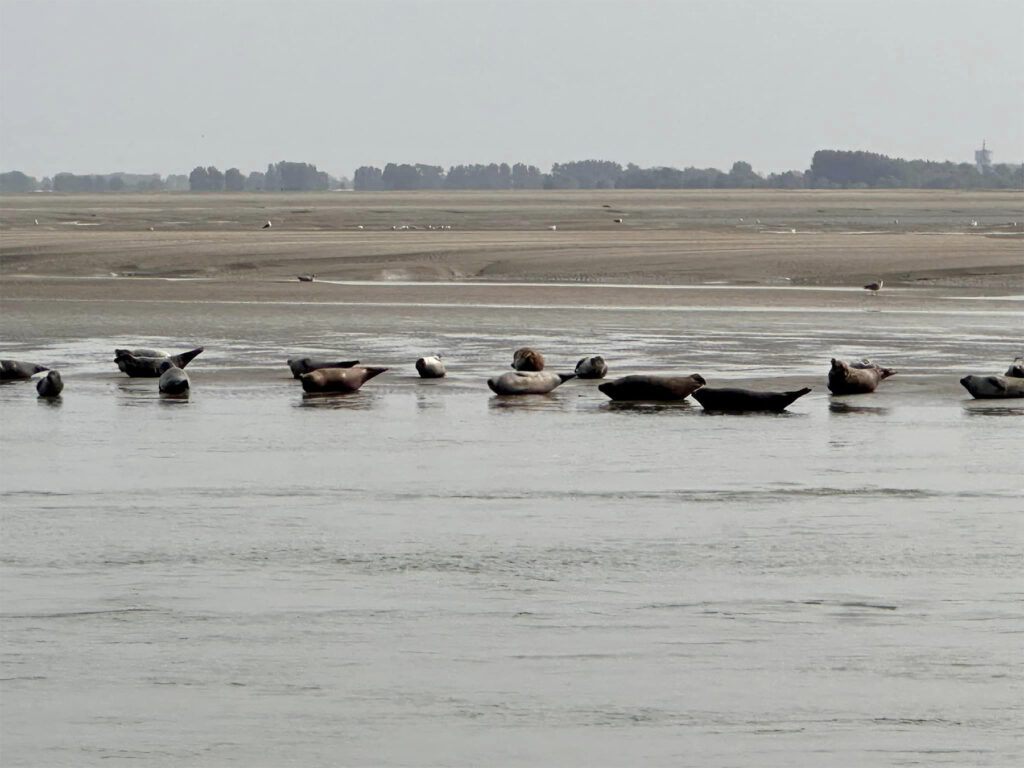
[{"x": 983, "y": 159}]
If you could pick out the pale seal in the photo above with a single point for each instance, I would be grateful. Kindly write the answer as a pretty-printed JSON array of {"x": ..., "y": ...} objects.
[
  {"x": 856, "y": 378},
  {"x": 592, "y": 367},
  {"x": 301, "y": 365},
  {"x": 741, "y": 400},
  {"x": 526, "y": 359},
  {"x": 993, "y": 387},
  {"x": 527, "y": 382},
  {"x": 16, "y": 370},
  {"x": 338, "y": 380},
  {"x": 51, "y": 385},
  {"x": 145, "y": 363},
  {"x": 430, "y": 367},
  {"x": 652, "y": 387},
  {"x": 173, "y": 380}
]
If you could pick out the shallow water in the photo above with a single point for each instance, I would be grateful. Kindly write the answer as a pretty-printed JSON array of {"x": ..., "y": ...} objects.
[{"x": 424, "y": 574}]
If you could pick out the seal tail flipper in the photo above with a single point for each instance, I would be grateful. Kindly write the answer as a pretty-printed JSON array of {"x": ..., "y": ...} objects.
[
  {"x": 180, "y": 361},
  {"x": 372, "y": 371},
  {"x": 566, "y": 376},
  {"x": 791, "y": 397}
]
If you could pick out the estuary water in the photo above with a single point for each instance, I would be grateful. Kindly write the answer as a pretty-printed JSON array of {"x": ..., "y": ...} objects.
[{"x": 424, "y": 574}]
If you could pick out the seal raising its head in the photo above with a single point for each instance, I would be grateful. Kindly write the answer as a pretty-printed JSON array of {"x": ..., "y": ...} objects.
[
  {"x": 526, "y": 359},
  {"x": 856, "y": 378},
  {"x": 592, "y": 368},
  {"x": 173, "y": 380},
  {"x": 51, "y": 385},
  {"x": 1016, "y": 369}
]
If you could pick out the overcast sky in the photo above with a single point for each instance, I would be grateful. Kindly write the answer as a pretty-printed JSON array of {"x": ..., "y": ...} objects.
[{"x": 160, "y": 86}]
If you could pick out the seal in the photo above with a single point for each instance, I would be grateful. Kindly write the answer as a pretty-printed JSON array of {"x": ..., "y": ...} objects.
[
  {"x": 145, "y": 363},
  {"x": 993, "y": 387},
  {"x": 16, "y": 370},
  {"x": 301, "y": 365},
  {"x": 430, "y": 367},
  {"x": 1016, "y": 369},
  {"x": 51, "y": 385},
  {"x": 856, "y": 378},
  {"x": 742, "y": 400},
  {"x": 338, "y": 380},
  {"x": 526, "y": 359},
  {"x": 652, "y": 387},
  {"x": 592, "y": 368},
  {"x": 173, "y": 380},
  {"x": 527, "y": 382}
]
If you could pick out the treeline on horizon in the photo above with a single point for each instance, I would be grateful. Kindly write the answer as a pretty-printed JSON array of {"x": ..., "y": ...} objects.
[{"x": 830, "y": 169}]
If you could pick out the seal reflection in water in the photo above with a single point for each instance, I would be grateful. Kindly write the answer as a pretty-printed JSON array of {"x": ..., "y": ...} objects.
[
  {"x": 592, "y": 368},
  {"x": 731, "y": 400},
  {"x": 51, "y": 385},
  {"x": 301, "y": 365},
  {"x": 856, "y": 378},
  {"x": 993, "y": 387},
  {"x": 652, "y": 387},
  {"x": 430, "y": 367},
  {"x": 173, "y": 380},
  {"x": 146, "y": 363},
  {"x": 338, "y": 380},
  {"x": 527, "y": 359},
  {"x": 527, "y": 382},
  {"x": 16, "y": 370}
]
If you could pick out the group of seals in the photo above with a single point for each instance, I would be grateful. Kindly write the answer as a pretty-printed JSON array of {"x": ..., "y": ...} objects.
[
  {"x": 301, "y": 365},
  {"x": 661, "y": 388},
  {"x": 147, "y": 363},
  {"x": 50, "y": 386},
  {"x": 1010, "y": 384}
]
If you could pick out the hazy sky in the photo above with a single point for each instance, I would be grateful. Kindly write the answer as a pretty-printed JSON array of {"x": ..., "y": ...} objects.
[{"x": 160, "y": 86}]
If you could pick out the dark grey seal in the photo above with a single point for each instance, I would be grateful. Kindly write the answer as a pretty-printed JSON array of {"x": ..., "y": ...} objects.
[
  {"x": 993, "y": 387},
  {"x": 16, "y": 370},
  {"x": 1016, "y": 369},
  {"x": 338, "y": 380},
  {"x": 732, "y": 400},
  {"x": 652, "y": 387},
  {"x": 430, "y": 367},
  {"x": 301, "y": 365},
  {"x": 592, "y": 368},
  {"x": 856, "y": 378},
  {"x": 145, "y": 363},
  {"x": 173, "y": 380},
  {"x": 527, "y": 382},
  {"x": 526, "y": 359},
  {"x": 51, "y": 385}
]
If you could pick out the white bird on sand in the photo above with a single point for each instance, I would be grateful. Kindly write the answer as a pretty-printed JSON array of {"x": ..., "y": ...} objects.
[
  {"x": 874, "y": 286},
  {"x": 268, "y": 225},
  {"x": 306, "y": 277}
]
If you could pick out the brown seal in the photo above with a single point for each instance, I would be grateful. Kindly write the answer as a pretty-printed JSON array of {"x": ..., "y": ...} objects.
[
  {"x": 301, "y": 365},
  {"x": 527, "y": 382},
  {"x": 145, "y": 363},
  {"x": 856, "y": 378},
  {"x": 16, "y": 370},
  {"x": 338, "y": 380},
  {"x": 652, "y": 387},
  {"x": 527, "y": 359}
]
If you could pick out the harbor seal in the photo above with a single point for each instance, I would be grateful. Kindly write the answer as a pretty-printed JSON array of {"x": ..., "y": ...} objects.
[
  {"x": 145, "y": 363},
  {"x": 856, "y": 378},
  {"x": 527, "y": 382},
  {"x": 652, "y": 387},
  {"x": 430, "y": 367},
  {"x": 993, "y": 387},
  {"x": 592, "y": 368},
  {"x": 173, "y": 380},
  {"x": 338, "y": 380},
  {"x": 526, "y": 359},
  {"x": 742, "y": 400},
  {"x": 301, "y": 365},
  {"x": 1016, "y": 369},
  {"x": 16, "y": 370},
  {"x": 51, "y": 385}
]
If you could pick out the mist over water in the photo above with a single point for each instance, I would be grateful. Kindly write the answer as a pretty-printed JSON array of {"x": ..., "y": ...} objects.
[{"x": 424, "y": 574}]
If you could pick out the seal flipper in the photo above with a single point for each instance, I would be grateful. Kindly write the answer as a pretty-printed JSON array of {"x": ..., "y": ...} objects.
[{"x": 180, "y": 361}]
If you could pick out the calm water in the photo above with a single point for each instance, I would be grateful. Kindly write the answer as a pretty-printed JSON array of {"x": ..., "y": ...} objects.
[{"x": 422, "y": 574}]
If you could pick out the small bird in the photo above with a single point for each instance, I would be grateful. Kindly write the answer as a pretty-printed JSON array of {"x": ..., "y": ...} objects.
[
  {"x": 268, "y": 225},
  {"x": 874, "y": 286}
]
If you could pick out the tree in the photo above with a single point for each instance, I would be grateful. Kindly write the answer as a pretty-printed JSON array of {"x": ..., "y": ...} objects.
[
  {"x": 16, "y": 183},
  {"x": 199, "y": 180},
  {"x": 233, "y": 180}
]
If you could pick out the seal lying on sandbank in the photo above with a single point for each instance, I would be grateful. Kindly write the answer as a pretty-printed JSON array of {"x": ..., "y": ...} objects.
[
  {"x": 526, "y": 359},
  {"x": 592, "y": 368},
  {"x": 992, "y": 387},
  {"x": 15, "y": 370},
  {"x": 301, "y": 365},
  {"x": 527, "y": 382},
  {"x": 652, "y": 387},
  {"x": 742, "y": 400},
  {"x": 145, "y": 363},
  {"x": 173, "y": 380},
  {"x": 430, "y": 367},
  {"x": 51, "y": 385},
  {"x": 338, "y": 380},
  {"x": 856, "y": 378}
]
